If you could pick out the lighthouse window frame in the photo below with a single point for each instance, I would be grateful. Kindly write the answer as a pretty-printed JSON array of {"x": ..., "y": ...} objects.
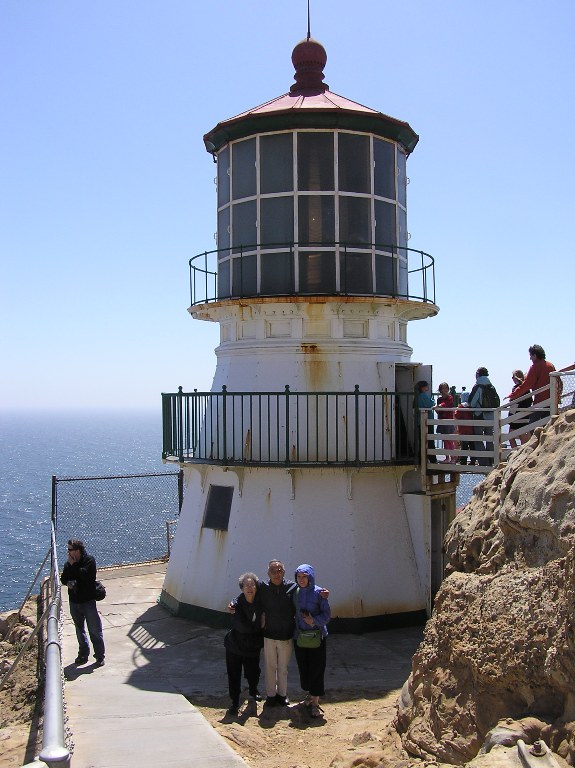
[
  {"x": 360, "y": 217},
  {"x": 218, "y": 507},
  {"x": 275, "y": 153},
  {"x": 243, "y": 168},
  {"x": 315, "y": 160}
]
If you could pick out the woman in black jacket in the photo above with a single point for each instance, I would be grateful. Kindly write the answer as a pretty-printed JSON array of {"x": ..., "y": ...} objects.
[{"x": 244, "y": 642}]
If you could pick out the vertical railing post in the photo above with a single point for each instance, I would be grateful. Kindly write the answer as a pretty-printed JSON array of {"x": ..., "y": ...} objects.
[
  {"x": 554, "y": 380},
  {"x": 54, "y": 512},
  {"x": 423, "y": 416},
  {"x": 286, "y": 411},
  {"x": 180, "y": 425},
  {"x": 356, "y": 401},
  {"x": 497, "y": 436},
  {"x": 224, "y": 422}
]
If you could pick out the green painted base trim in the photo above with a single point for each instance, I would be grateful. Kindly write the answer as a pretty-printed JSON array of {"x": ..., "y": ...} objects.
[
  {"x": 221, "y": 620},
  {"x": 340, "y": 626},
  {"x": 215, "y": 619}
]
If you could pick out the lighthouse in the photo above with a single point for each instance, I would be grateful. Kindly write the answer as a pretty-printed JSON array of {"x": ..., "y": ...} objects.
[{"x": 306, "y": 447}]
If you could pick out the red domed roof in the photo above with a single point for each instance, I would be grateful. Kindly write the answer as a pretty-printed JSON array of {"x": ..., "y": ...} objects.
[{"x": 310, "y": 104}]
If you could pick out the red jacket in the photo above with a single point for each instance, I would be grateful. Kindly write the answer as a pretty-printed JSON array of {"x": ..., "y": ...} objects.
[
  {"x": 537, "y": 377},
  {"x": 444, "y": 402},
  {"x": 463, "y": 412}
]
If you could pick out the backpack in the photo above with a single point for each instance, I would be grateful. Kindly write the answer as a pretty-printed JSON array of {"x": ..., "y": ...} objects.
[{"x": 489, "y": 396}]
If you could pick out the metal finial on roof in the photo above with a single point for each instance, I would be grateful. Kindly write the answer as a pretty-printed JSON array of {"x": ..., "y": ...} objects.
[
  {"x": 309, "y": 58},
  {"x": 308, "y": 22}
]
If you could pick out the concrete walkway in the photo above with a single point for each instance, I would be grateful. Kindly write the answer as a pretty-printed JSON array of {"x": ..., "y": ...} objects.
[{"x": 137, "y": 710}]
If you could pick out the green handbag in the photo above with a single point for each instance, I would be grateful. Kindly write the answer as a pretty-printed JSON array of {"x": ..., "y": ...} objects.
[{"x": 309, "y": 638}]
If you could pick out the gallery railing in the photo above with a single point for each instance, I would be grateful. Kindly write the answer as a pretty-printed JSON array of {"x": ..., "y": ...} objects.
[
  {"x": 289, "y": 428},
  {"x": 335, "y": 269}
]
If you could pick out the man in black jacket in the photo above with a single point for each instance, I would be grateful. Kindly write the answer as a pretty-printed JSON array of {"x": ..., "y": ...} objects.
[{"x": 79, "y": 575}]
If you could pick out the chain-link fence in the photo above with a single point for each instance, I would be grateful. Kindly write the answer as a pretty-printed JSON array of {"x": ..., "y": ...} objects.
[
  {"x": 121, "y": 519},
  {"x": 567, "y": 394},
  {"x": 467, "y": 483}
]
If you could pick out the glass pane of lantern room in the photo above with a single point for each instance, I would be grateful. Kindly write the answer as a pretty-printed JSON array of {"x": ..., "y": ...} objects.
[
  {"x": 403, "y": 278},
  {"x": 385, "y": 224},
  {"x": 223, "y": 230},
  {"x": 353, "y": 163},
  {"x": 384, "y": 168},
  {"x": 276, "y": 163},
  {"x": 244, "y": 275},
  {"x": 401, "y": 178},
  {"x": 276, "y": 274},
  {"x": 354, "y": 220},
  {"x": 317, "y": 272},
  {"x": 224, "y": 279},
  {"x": 316, "y": 219},
  {"x": 315, "y": 161},
  {"x": 244, "y": 232},
  {"x": 402, "y": 232},
  {"x": 223, "y": 177},
  {"x": 276, "y": 220},
  {"x": 385, "y": 278},
  {"x": 355, "y": 271},
  {"x": 244, "y": 169}
]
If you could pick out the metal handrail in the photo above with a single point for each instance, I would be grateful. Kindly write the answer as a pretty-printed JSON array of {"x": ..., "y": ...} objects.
[
  {"x": 54, "y": 751},
  {"x": 289, "y": 429},
  {"x": 205, "y": 283}
]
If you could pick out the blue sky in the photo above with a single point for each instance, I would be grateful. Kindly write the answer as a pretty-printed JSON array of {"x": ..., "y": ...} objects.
[{"x": 106, "y": 189}]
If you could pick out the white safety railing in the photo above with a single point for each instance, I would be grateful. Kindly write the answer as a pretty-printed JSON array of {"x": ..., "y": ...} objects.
[{"x": 495, "y": 433}]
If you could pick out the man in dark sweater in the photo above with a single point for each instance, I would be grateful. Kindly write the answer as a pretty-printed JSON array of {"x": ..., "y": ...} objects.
[
  {"x": 79, "y": 575},
  {"x": 277, "y": 597}
]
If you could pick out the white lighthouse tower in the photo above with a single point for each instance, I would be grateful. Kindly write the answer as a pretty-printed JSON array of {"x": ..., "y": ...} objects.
[{"x": 306, "y": 448}]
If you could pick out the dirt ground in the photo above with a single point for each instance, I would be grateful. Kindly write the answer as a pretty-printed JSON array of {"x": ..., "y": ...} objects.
[
  {"x": 19, "y": 705},
  {"x": 355, "y": 732}
]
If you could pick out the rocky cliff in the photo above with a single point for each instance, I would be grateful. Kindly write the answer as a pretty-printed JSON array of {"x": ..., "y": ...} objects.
[{"x": 501, "y": 641}]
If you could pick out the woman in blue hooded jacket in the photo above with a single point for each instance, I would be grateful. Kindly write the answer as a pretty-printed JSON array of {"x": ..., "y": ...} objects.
[{"x": 312, "y": 613}]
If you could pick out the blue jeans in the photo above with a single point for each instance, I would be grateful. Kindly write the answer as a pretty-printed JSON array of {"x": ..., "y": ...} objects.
[{"x": 87, "y": 613}]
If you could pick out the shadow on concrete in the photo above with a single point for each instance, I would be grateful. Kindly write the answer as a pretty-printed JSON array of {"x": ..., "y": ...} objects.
[{"x": 180, "y": 655}]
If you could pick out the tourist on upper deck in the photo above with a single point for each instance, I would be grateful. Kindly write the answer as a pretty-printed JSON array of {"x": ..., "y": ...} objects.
[
  {"x": 464, "y": 413},
  {"x": 480, "y": 397},
  {"x": 444, "y": 410},
  {"x": 79, "y": 575},
  {"x": 518, "y": 378},
  {"x": 537, "y": 377}
]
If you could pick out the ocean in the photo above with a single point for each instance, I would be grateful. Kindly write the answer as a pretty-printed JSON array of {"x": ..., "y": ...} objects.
[{"x": 36, "y": 445}]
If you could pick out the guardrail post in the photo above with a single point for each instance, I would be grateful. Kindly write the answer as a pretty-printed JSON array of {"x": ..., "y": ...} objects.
[
  {"x": 287, "y": 394},
  {"x": 423, "y": 440},
  {"x": 180, "y": 426},
  {"x": 496, "y": 437},
  {"x": 224, "y": 423},
  {"x": 554, "y": 393},
  {"x": 356, "y": 400},
  {"x": 54, "y": 501}
]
